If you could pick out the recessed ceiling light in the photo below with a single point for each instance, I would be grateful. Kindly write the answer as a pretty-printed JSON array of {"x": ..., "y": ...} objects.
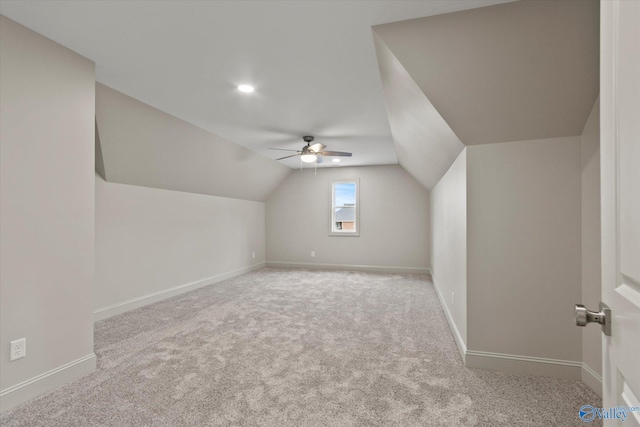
[
  {"x": 336, "y": 160},
  {"x": 245, "y": 88}
]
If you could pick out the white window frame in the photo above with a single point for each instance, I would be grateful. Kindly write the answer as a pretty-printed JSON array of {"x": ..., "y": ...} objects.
[{"x": 332, "y": 230}]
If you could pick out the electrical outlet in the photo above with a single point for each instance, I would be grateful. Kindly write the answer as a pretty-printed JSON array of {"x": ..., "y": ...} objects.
[
  {"x": 18, "y": 349},
  {"x": 313, "y": 254},
  {"x": 253, "y": 254}
]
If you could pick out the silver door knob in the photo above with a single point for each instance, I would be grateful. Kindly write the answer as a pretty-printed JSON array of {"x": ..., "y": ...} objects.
[{"x": 603, "y": 317}]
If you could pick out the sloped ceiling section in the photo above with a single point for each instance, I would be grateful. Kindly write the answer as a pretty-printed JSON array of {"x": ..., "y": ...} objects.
[
  {"x": 98, "y": 153},
  {"x": 425, "y": 144},
  {"x": 516, "y": 71},
  {"x": 144, "y": 146}
]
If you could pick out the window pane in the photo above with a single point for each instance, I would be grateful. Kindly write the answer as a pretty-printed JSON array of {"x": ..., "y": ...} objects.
[
  {"x": 345, "y": 194},
  {"x": 344, "y": 219},
  {"x": 344, "y": 208}
]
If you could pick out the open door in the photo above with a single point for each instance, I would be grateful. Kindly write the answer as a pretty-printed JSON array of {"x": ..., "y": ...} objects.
[{"x": 620, "y": 190}]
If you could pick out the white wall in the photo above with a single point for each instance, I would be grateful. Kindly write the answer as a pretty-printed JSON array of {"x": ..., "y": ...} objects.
[
  {"x": 591, "y": 272},
  {"x": 524, "y": 249},
  {"x": 449, "y": 245},
  {"x": 47, "y": 212},
  {"x": 394, "y": 220},
  {"x": 151, "y": 241}
]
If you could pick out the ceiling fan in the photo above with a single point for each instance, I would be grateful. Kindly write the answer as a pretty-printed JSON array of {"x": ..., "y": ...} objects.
[{"x": 310, "y": 153}]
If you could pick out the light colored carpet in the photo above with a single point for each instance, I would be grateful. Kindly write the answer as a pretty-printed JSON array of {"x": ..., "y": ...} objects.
[{"x": 296, "y": 348}]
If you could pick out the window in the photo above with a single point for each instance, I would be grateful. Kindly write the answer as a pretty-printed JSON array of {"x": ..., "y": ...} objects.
[{"x": 344, "y": 208}]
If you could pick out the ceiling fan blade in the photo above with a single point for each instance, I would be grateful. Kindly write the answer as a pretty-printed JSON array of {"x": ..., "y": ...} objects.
[
  {"x": 286, "y": 157},
  {"x": 317, "y": 147},
  {"x": 284, "y": 149},
  {"x": 334, "y": 153}
]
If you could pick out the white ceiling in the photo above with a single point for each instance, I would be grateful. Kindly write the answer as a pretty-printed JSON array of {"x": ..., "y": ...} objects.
[{"x": 313, "y": 63}]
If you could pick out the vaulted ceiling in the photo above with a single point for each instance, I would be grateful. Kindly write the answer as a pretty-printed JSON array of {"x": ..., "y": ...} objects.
[
  {"x": 434, "y": 76},
  {"x": 519, "y": 71},
  {"x": 141, "y": 145}
]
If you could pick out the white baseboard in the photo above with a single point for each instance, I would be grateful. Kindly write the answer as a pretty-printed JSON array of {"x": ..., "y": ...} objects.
[
  {"x": 592, "y": 379},
  {"x": 124, "y": 306},
  {"x": 518, "y": 364},
  {"x": 27, "y": 390},
  {"x": 527, "y": 365},
  {"x": 462, "y": 347},
  {"x": 349, "y": 267}
]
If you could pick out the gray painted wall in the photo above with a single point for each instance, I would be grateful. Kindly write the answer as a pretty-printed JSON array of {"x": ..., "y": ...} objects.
[
  {"x": 449, "y": 243},
  {"x": 150, "y": 241},
  {"x": 394, "y": 219},
  {"x": 47, "y": 211},
  {"x": 591, "y": 272},
  {"x": 524, "y": 248}
]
